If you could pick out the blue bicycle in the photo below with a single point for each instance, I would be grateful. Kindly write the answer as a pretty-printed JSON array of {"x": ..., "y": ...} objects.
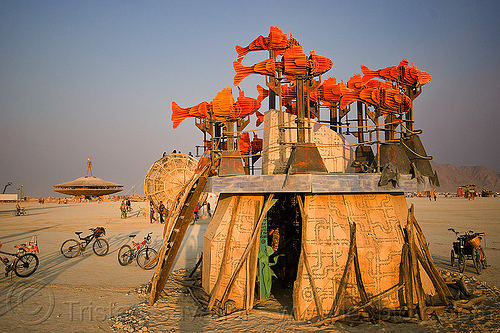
[{"x": 140, "y": 251}]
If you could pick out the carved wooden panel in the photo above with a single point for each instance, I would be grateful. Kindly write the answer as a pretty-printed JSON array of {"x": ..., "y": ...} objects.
[{"x": 378, "y": 218}]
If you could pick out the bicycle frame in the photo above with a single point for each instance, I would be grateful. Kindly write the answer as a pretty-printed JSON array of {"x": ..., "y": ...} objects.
[
  {"x": 137, "y": 247},
  {"x": 85, "y": 241}
]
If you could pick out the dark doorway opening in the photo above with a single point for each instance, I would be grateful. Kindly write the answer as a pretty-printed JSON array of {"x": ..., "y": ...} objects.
[{"x": 281, "y": 232}]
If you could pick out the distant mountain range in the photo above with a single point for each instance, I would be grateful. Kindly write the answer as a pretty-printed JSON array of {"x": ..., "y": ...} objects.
[{"x": 451, "y": 177}]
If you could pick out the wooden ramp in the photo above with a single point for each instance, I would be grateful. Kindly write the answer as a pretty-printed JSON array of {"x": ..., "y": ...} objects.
[{"x": 175, "y": 230}]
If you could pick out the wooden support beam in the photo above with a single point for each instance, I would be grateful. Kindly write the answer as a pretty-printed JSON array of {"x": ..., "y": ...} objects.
[
  {"x": 345, "y": 276},
  {"x": 224, "y": 262},
  {"x": 423, "y": 243},
  {"x": 172, "y": 242},
  {"x": 250, "y": 245},
  {"x": 303, "y": 255},
  {"x": 414, "y": 269}
]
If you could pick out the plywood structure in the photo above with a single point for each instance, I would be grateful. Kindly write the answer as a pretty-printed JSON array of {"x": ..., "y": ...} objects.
[
  {"x": 379, "y": 218},
  {"x": 226, "y": 239},
  {"x": 336, "y": 156}
]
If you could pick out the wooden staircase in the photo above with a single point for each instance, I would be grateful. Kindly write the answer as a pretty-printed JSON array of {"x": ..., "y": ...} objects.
[{"x": 175, "y": 230}]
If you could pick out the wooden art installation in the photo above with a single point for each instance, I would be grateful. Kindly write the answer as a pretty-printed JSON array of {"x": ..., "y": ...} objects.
[{"x": 358, "y": 246}]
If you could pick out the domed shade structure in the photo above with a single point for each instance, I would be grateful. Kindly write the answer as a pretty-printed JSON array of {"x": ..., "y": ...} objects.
[
  {"x": 88, "y": 186},
  {"x": 167, "y": 177}
]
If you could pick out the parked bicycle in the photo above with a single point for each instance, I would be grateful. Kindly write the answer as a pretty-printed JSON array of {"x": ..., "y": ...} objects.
[
  {"x": 21, "y": 211},
  {"x": 72, "y": 247},
  {"x": 468, "y": 246},
  {"x": 31, "y": 247},
  {"x": 140, "y": 251},
  {"x": 23, "y": 265}
]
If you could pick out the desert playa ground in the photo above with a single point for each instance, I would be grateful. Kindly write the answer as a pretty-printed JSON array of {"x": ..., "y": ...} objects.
[{"x": 95, "y": 294}]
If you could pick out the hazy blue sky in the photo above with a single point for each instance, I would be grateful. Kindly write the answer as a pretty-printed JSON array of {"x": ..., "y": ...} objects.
[{"x": 96, "y": 79}]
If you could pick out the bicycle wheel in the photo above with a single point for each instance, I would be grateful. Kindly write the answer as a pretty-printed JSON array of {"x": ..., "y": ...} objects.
[
  {"x": 125, "y": 255},
  {"x": 452, "y": 258},
  {"x": 483, "y": 258},
  {"x": 100, "y": 247},
  {"x": 461, "y": 263},
  {"x": 144, "y": 256},
  {"x": 70, "y": 248},
  {"x": 26, "y": 265},
  {"x": 14, "y": 213},
  {"x": 25, "y": 213}
]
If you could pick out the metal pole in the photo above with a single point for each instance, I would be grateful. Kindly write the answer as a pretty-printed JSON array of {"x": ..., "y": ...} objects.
[
  {"x": 360, "y": 131},
  {"x": 272, "y": 94},
  {"x": 300, "y": 111},
  {"x": 333, "y": 117}
]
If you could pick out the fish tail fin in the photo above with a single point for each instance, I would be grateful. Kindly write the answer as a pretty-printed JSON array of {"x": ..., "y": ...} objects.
[
  {"x": 263, "y": 93},
  {"x": 178, "y": 114},
  {"x": 260, "y": 118},
  {"x": 241, "y": 72},
  {"x": 241, "y": 51},
  {"x": 368, "y": 74}
]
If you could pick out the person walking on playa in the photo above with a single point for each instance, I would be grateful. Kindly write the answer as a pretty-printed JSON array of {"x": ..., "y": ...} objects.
[
  {"x": 208, "y": 209},
  {"x": 152, "y": 213},
  {"x": 161, "y": 211},
  {"x": 196, "y": 210},
  {"x": 123, "y": 209}
]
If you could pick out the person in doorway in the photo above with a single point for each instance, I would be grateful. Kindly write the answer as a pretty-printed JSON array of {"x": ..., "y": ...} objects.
[{"x": 161, "y": 211}]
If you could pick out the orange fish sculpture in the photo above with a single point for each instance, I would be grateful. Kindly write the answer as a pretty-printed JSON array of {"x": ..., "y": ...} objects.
[
  {"x": 277, "y": 40},
  {"x": 318, "y": 64},
  {"x": 405, "y": 74},
  {"x": 330, "y": 91},
  {"x": 380, "y": 95},
  {"x": 244, "y": 106},
  {"x": 293, "y": 63},
  {"x": 221, "y": 108},
  {"x": 266, "y": 67}
]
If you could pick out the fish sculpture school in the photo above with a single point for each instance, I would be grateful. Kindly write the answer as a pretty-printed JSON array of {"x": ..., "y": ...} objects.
[{"x": 325, "y": 223}]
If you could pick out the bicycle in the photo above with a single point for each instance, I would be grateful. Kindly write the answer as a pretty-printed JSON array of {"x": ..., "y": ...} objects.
[
  {"x": 72, "y": 247},
  {"x": 468, "y": 246},
  {"x": 24, "y": 264},
  {"x": 21, "y": 211},
  {"x": 141, "y": 252},
  {"x": 32, "y": 246}
]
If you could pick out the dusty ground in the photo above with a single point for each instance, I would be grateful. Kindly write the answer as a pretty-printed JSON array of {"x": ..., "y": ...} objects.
[{"x": 92, "y": 294}]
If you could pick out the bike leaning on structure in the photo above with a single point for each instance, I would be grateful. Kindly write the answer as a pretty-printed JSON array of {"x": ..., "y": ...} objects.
[
  {"x": 24, "y": 263},
  {"x": 140, "y": 251},
  {"x": 72, "y": 247},
  {"x": 468, "y": 246}
]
